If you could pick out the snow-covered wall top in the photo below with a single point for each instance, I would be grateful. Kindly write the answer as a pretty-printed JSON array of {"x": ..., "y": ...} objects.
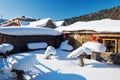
[
  {"x": 28, "y": 31},
  {"x": 104, "y": 25}
]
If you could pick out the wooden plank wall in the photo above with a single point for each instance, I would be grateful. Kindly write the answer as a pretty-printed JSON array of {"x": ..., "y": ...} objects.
[{"x": 20, "y": 42}]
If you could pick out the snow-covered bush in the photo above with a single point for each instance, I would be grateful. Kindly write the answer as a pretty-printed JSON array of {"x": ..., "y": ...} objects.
[
  {"x": 78, "y": 54},
  {"x": 65, "y": 46},
  {"x": 37, "y": 45},
  {"x": 49, "y": 51},
  {"x": 5, "y": 48},
  {"x": 22, "y": 61}
]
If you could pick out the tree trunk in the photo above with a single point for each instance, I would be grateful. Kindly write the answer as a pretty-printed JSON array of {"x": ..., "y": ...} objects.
[{"x": 81, "y": 61}]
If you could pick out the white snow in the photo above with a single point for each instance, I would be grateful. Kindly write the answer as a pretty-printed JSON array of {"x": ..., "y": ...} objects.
[
  {"x": 65, "y": 69},
  {"x": 78, "y": 52},
  {"x": 23, "y": 61},
  {"x": 37, "y": 45},
  {"x": 50, "y": 51},
  {"x": 104, "y": 25},
  {"x": 59, "y": 23},
  {"x": 23, "y": 30},
  {"x": 65, "y": 46},
  {"x": 41, "y": 22},
  {"x": 5, "y": 48},
  {"x": 95, "y": 46}
]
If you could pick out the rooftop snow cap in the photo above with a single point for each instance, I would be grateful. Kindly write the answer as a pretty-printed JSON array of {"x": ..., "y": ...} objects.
[
  {"x": 16, "y": 30},
  {"x": 104, "y": 25}
]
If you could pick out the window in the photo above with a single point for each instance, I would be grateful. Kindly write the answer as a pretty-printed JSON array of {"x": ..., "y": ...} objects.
[{"x": 111, "y": 45}]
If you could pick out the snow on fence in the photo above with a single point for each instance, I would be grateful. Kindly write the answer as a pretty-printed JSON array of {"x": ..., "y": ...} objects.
[{"x": 37, "y": 45}]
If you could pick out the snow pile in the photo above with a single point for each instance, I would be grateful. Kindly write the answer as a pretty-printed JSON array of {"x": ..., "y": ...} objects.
[
  {"x": 23, "y": 61},
  {"x": 95, "y": 46},
  {"x": 40, "y": 23},
  {"x": 5, "y": 48},
  {"x": 37, "y": 45},
  {"x": 16, "y": 30},
  {"x": 65, "y": 46},
  {"x": 104, "y": 25},
  {"x": 50, "y": 51},
  {"x": 78, "y": 52}
]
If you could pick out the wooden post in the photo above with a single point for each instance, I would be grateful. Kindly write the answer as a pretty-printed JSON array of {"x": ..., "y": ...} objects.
[
  {"x": 19, "y": 74},
  {"x": 48, "y": 57},
  {"x": 81, "y": 61}
]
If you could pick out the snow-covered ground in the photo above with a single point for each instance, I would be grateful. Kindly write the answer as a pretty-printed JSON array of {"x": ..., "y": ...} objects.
[{"x": 61, "y": 68}]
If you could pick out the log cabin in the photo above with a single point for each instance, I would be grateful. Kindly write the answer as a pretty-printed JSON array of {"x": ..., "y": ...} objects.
[
  {"x": 19, "y": 37},
  {"x": 106, "y": 31}
]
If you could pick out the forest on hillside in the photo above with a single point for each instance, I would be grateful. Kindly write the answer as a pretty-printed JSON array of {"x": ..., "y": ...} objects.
[{"x": 113, "y": 13}]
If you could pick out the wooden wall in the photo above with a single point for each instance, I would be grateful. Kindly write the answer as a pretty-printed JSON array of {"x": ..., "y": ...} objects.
[
  {"x": 20, "y": 42},
  {"x": 77, "y": 38}
]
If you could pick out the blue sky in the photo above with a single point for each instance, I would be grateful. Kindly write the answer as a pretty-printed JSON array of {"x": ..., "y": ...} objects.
[{"x": 55, "y": 9}]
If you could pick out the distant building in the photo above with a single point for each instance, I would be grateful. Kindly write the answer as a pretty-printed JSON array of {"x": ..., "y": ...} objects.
[
  {"x": 23, "y": 20},
  {"x": 18, "y": 21}
]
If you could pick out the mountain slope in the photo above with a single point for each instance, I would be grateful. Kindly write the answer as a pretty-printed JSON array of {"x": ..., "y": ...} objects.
[{"x": 113, "y": 13}]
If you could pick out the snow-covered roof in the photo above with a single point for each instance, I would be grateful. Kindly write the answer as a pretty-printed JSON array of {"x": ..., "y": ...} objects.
[
  {"x": 59, "y": 23},
  {"x": 40, "y": 23},
  {"x": 104, "y": 25},
  {"x": 16, "y": 30}
]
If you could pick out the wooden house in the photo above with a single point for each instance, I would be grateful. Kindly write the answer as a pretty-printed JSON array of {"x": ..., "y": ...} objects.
[
  {"x": 105, "y": 31},
  {"x": 18, "y": 21},
  {"x": 10, "y": 23},
  {"x": 19, "y": 37}
]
